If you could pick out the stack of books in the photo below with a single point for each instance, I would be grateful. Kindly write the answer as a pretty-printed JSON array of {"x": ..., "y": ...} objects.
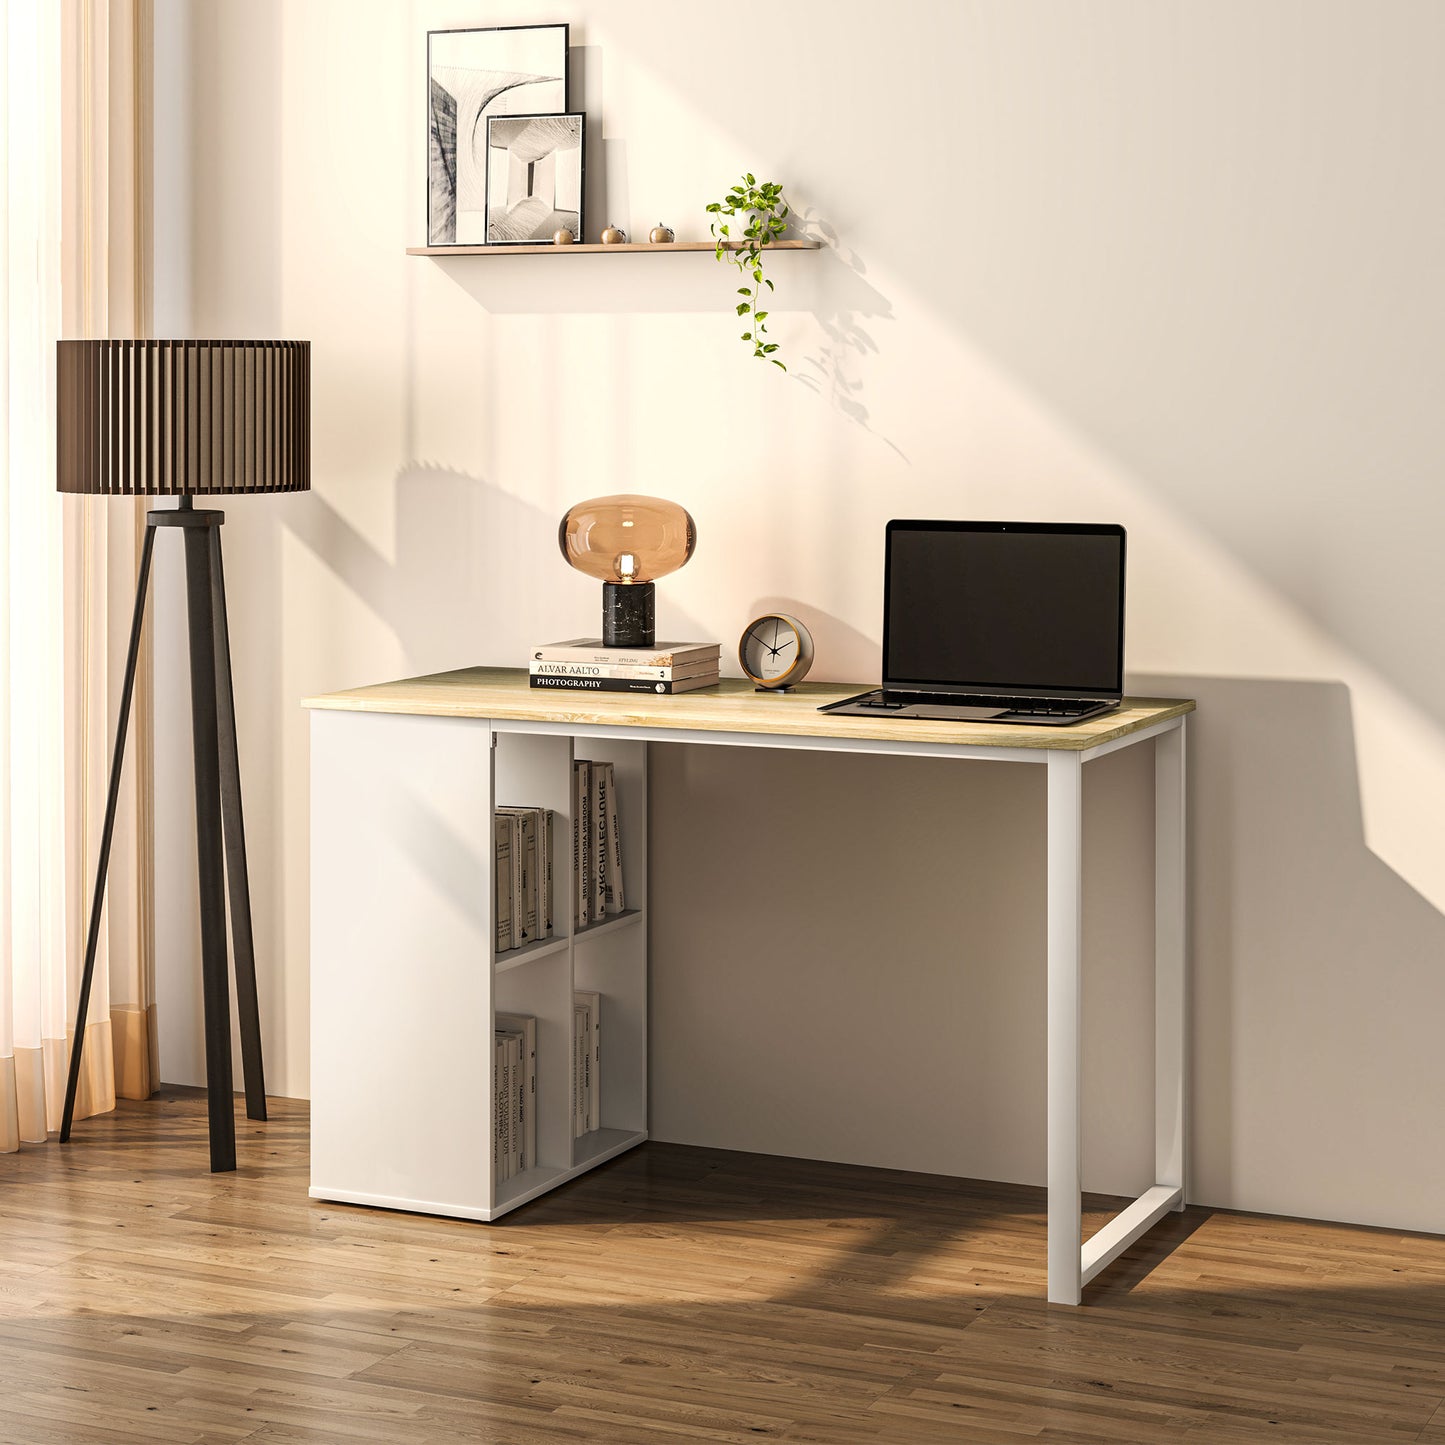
[
  {"x": 514, "y": 1087},
  {"x": 598, "y": 888},
  {"x": 526, "y": 907},
  {"x": 523, "y": 839},
  {"x": 665, "y": 667},
  {"x": 514, "y": 1083}
]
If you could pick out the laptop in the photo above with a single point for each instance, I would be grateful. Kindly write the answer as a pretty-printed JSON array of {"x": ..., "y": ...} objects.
[{"x": 1011, "y": 622}]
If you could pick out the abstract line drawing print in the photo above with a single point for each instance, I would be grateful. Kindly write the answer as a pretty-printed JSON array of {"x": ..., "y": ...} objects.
[
  {"x": 473, "y": 75},
  {"x": 534, "y": 177}
]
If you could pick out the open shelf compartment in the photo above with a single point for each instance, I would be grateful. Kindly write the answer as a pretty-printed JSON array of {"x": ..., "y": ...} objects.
[{"x": 608, "y": 957}]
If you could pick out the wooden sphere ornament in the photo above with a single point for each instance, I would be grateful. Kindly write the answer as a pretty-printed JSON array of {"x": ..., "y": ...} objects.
[
  {"x": 775, "y": 651},
  {"x": 662, "y": 235},
  {"x": 563, "y": 237},
  {"x": 614, "y": 236}
]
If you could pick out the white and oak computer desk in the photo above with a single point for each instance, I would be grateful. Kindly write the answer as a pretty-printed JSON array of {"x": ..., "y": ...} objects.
[{"x": 406, "y": 979}]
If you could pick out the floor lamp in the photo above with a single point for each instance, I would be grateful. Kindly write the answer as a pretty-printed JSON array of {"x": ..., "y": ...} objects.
[{"x": 185, "y": 419}]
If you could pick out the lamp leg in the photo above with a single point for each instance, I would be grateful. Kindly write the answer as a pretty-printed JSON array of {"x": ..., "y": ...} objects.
[
  {"x": 92, "y": 939},
  {"x": 211, "y": 871},
  {"x": 234, "y": 833}
]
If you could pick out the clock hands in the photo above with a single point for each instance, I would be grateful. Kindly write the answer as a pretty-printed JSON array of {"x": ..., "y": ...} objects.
[
  {"x": 753, "y": 633},
  {"x": 772, "y": 651}
]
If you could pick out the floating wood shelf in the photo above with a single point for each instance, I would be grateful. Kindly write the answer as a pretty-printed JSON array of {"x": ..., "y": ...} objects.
[{"x": 588, "y": 249}]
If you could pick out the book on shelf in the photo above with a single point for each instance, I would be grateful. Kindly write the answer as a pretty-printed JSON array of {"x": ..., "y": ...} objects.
[
  {"x": 544, "y": 874},
  {"x": 581, "y": 1066},
  {"x": 528, "y": 879},
  {"x": 615, "y": 898},
  {"x": 502, "y": 1114},
  {"x": 591, "y": 1009},
  {"x": 524, "y": 1028},
  {"x": 581, "y": 842},
  {"x": 625, "y": 684},
  {"x": 530, "y": 821},
  {"x": 639, "y": 671},
  {"x": 511, "y": 1099},
  {"x": 524, "y": 875},
  {"x": 502, "y": 831},
  {"x": 579, "y": 1102},
  {"x": 598, "y": 819},
  {"x": 514, "y": 1105},
  {"x": 660, "y": 654},
  {"x": 519, "y": 882}
]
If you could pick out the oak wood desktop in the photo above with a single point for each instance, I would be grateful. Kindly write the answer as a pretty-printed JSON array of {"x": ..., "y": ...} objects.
[
  {"x": 734, "y": 705},
  {"x": 425, "y": 760}
]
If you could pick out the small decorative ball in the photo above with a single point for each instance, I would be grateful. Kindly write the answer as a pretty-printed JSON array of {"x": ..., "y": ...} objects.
[
  {"x": 563, "y": 237},
  {"x": 614, "y": 236},
  {"x": 661, "y": 235}
]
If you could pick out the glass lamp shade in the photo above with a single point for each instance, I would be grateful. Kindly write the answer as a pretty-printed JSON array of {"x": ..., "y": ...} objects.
[{"x": 627, "y": 538}]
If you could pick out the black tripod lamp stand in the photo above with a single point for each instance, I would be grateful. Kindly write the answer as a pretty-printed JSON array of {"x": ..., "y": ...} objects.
[{"x": 189, "y": 419}]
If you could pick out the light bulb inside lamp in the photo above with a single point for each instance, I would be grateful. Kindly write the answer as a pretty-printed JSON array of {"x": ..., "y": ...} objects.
[{"x": 627, "y": 542}]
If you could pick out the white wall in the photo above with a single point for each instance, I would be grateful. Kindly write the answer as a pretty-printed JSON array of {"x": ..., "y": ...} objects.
[{"x": 1173, "y": 265}]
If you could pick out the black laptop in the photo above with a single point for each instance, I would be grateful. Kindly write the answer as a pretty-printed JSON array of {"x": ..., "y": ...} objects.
[{"x": 1012, "y": 622}]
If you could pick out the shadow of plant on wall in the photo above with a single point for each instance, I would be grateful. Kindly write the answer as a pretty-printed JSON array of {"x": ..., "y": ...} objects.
[{"x": 843, "y": 299}]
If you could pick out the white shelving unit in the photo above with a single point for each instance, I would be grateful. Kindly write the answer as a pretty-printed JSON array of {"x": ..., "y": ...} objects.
[{"x": 406, "y": 982}]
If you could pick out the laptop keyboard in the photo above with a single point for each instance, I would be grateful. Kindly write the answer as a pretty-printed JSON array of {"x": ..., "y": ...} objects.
[
  {"x": 1065, "y": 711},
  {"x": 894, "y": 701}
]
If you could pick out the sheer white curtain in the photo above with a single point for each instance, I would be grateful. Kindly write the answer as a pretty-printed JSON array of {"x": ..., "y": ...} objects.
[
  {"x": 74, "y": 157},
  {"x": 33, "y": 942}
]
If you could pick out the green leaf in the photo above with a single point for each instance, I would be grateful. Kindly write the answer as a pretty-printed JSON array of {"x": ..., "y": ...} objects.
[
  {"x": 761, "y": 316},
  {"x": 771, "y": 346},
  {"x": 784, "y": 212},
  {"x": 769, "y": 284},
  {"x": 750, "y": 179},
  {"x": 743, "y": 308},
  {"x": 724, "y": 230},
  {"x": 745, "y": 290},
  {"x": 757, "y": 272},
  {"x": 714, "y": 207},
  {"x": 747, "y": 335},
  {"x": 777, "y": 363}
]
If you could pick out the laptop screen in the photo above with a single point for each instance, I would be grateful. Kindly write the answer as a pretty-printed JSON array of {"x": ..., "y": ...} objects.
[{"x": 1016, "y": 607}]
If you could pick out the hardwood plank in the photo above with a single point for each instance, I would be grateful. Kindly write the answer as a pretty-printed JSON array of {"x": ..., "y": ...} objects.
[
  {"x": 1434, "y": 1432},
  {"x": 673, "y": 1295},
  {"x": 733, "y": 705}
]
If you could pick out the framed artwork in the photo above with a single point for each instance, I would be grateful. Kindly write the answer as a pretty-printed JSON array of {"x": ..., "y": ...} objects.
[
  {"x": 534, "y": 178},
  {"x": 473, "y": 75}
]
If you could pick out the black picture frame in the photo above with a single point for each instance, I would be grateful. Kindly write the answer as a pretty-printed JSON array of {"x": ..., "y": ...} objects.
[
  {"x": 557, "y": 216},
  {"x": 489, "y": 70}
]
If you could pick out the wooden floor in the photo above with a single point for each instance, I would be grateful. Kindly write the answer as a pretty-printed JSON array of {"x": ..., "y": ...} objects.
[{"x": 674, "y": 1295}]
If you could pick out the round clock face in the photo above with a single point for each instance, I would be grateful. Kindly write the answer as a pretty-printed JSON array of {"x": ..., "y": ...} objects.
[{"x": 775, "y": 651}]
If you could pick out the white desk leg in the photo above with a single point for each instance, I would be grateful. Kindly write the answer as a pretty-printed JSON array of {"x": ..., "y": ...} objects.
[
  {"x": 1170, "y": 954},
  {"x": 1065, "y": 894}
]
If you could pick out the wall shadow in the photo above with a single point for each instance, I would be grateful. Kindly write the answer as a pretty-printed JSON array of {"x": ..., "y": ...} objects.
[
  {"x": 464, "y": 549},
  {"x": 1250, "y": 337},
  {"x": 1309, "y": 957}
]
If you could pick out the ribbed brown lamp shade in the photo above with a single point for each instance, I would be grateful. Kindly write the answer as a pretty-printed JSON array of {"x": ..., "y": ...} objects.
[{"x": 171, "y": 418}]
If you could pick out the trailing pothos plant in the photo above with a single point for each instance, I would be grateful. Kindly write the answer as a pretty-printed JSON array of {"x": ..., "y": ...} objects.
[{"x": 759, "y": 206}]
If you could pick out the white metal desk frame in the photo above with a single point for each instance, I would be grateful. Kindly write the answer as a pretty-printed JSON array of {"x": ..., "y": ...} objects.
[{"x": 1072, "y": 1262}]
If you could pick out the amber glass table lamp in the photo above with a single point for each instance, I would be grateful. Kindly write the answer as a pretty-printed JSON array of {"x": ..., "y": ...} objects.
[
  {"x": 189, "y": 419},
  {"x": 627, "y": 542}
]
